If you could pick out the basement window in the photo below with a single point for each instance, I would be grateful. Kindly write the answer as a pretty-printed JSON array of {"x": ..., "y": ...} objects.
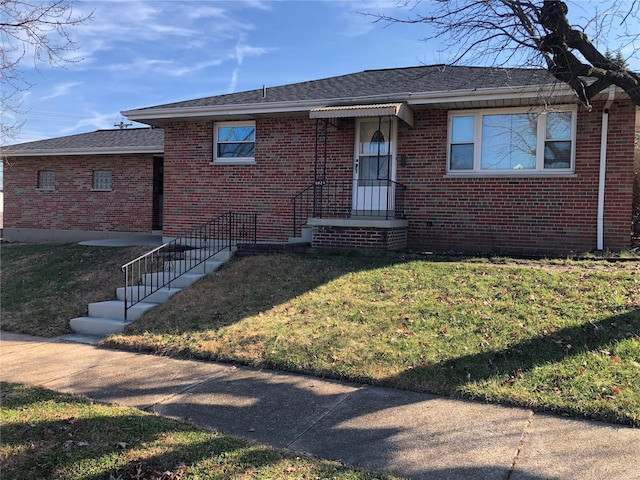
[
  {"x": 234, "y": 142},
  {"x": 46, "y": 180},
  {"x": 513, "y": 141}
]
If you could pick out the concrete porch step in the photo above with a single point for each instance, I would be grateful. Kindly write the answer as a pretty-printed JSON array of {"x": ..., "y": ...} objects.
[
  {"x": 114, "y": 309},
  {"x": 184, "y": 266},
  {"x": 184, "y": 281},
  {"x": 135, "y": 293},
  {"x": 221, "y": 256},
  {"x": 96, "y": 326}
]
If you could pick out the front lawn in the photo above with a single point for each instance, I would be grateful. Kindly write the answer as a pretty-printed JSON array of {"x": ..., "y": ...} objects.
[
  {"x": 555, "y": 335},
  {"x": 560, "y": 336}
]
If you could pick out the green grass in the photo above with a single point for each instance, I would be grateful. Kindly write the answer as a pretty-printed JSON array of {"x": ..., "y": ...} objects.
[
  {"x": 47, "y": 435},
  {"x": 44, "y": 286},
  {"x": 561, "y": 336},
  {"x": 558, "y": 335}
]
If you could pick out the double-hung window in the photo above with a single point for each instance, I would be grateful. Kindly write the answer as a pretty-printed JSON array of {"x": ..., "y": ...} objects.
[
  {"x": 512, "y": 141},
  {"x": 234, "y": 142}
]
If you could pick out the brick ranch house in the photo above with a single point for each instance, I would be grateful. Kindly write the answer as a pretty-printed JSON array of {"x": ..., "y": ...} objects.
[{"x": 433, "y": 158}]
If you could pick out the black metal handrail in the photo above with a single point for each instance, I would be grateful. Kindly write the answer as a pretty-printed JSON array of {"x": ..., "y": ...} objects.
[
  {"x": 161, "y": 266},
  {"x": 384, "y": 199}
]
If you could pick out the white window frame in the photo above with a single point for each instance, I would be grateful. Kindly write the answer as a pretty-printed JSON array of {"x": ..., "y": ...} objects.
[
  {"x": 236, "y": 160},
  {"x": 541, "y": 133},
  {"x": 46, "y": 180},
  {"x": 96, "y": 181}
]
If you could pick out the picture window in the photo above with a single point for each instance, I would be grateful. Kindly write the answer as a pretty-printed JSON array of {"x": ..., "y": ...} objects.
[{"x": 512, "y": 141}]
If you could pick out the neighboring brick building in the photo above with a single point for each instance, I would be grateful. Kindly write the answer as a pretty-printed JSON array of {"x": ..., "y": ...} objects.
[
  {"x": 86, "y": 186},
  {"x": 430, "y": 158}
]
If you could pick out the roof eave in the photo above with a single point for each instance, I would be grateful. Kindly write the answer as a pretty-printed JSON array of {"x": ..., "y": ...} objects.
[
  {"x": 157, "y": 116},
  {"x": 43, "y": 152}
]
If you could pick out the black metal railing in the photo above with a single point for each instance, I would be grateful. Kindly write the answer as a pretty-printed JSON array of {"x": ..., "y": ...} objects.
[
  {"x": 161, "y": 266},
  {"x": 382, "y": 199}
]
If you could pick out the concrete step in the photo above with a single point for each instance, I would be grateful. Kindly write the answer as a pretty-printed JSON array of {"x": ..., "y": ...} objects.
[
  {"x": 183, "y": 266},
  {"x": 221, "y": 256},
  {"x": 183, "y": 281},
  {"x": 135, "y": 293},
  {"x": 114, "y": 309},
  {"x": 96, "y": 326}
]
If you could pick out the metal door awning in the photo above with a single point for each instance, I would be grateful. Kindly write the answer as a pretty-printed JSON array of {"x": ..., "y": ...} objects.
[{"x": 400, "y": 110}]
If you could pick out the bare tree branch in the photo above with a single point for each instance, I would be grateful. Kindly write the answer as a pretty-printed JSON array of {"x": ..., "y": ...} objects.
[
  {"x": 535, "y": 34},
  {"x": 31, "y": 31}
]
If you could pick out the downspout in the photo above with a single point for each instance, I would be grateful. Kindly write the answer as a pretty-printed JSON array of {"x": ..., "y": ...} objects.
[{"x": 603, "y": 167}]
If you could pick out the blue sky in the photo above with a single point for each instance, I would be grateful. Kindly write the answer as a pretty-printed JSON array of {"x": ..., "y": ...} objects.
[{"x": 142, "y": 53}]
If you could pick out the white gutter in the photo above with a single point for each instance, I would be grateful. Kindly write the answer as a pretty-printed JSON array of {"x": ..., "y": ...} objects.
[
  {"x": 603, "y": 167},
  {"x": 81, "y": 151}
]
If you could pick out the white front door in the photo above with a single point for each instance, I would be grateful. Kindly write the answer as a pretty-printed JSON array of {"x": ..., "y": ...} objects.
[{"x": 374, "y": 166}]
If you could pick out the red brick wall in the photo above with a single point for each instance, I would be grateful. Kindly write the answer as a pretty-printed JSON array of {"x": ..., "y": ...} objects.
[
  {"x": 525, "y": 214},
  {"x": 73, "y": 205},
  {"x": 514, "y": 214},
  {"x": 197, "y": 190},
  {"x": 360, "y": 238}
]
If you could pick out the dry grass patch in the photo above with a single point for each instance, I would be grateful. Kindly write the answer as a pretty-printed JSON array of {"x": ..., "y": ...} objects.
[{"x": 44, "y": 286}]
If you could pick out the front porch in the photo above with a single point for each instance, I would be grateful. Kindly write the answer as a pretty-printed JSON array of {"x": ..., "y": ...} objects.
[
  {"x": 353, "y": 214},
  {"x": 361, "y": 206}
]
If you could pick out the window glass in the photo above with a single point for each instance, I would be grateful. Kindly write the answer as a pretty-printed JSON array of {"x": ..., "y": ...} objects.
[
  {"x": 557, "y": 154},
  {"x": 509, "y": 141},
  {"x": 372, "y": 139},
  {"x": 46, "y": 180},
  {"x": 559, "y": 126},
  {"x": 461, "y": 157},
  {"x": 236, "y": 134},
  {"x": 235, "y": 150},
  {"x": 101, "y": 180},
  {"x": 462, "y": 146},
  {"x": 557, "y": 147},
  {"x": 462, "y": 129},
  {"x": 235, "y": 141}
]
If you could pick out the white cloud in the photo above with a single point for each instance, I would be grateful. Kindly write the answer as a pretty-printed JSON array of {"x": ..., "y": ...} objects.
[
  {"x": 243, "y": 50},
  {"x": 358, "y": 22},
  {"x": 234, "y": 80},
  {"x": 206, "y": 12},
  {"x": 240, "y": 52},
  {"x": 95, "y": 120},
  {"x": 61, "y": 90}
]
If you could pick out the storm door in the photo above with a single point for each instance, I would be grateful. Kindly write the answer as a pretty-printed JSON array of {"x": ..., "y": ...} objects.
[{"x": 374, "y": 166}]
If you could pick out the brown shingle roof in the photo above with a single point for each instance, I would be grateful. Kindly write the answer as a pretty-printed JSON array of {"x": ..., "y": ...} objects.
[
  {"x": 132, "y": 140},
  {"x": 391, "y": 82}
]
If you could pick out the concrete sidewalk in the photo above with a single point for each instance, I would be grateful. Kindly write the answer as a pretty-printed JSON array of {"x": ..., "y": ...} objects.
[{"x": 409, "y": 434}]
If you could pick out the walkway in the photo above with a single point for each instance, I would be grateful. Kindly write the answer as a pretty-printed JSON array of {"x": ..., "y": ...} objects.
[{"x": 415, "y": 435}]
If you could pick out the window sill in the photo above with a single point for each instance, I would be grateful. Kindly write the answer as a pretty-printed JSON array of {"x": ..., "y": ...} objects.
[
  {"x": 512, "y": 175},
  {"x": 102, "y": 190},
  {"x": 45, "y": 189},
  {"x": 233, "y": 162}
]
